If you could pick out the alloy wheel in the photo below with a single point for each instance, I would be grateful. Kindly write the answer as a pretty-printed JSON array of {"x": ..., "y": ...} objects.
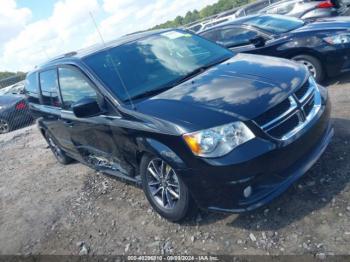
[
  {"x": 55, "y": 149},
  {"x": 4, "y": 126},
  {"x": 309, "y": 66},
  {"x": 163, "y": 183}
]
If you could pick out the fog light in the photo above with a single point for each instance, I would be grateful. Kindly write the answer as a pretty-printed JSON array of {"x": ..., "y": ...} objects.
[{"x": 247, "y": 191}]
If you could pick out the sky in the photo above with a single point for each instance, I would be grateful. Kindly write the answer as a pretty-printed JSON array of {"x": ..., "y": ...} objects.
[{"x": 32, "y": 31}]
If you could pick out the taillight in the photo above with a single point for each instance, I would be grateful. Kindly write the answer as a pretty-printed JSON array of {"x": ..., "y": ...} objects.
[
  {"x": 325, "y": 4},
  {"x": 21, "y": 105}
]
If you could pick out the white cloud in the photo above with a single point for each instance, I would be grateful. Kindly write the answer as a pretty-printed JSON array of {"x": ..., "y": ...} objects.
[
  {"x": 12, "y": 19},
  {"x": 62, "y": 32},
  {"x": 126, "y": 16},
  {"x": 70, "y": 27}
]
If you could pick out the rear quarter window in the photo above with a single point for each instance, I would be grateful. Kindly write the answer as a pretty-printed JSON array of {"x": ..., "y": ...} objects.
[
  {"x": 31, "y": 88},
  {"x": 49, "y": 88}
]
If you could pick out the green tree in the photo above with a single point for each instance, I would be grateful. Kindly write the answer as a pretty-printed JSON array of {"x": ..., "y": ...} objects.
[
  {"x": 209, "y": 10},
  {"x": 6, "y": 74}
]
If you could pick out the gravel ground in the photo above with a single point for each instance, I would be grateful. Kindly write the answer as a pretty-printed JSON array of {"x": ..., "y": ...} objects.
[{"x": 47, "y": 208}]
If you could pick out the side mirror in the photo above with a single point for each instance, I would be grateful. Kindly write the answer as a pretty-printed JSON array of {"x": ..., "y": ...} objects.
[
  {"x": 258, "y": 41},
  {"x": 86, "y": 107}
]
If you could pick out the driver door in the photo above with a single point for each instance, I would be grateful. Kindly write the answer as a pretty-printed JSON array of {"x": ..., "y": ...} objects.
[{"x": 91, "y": 136}]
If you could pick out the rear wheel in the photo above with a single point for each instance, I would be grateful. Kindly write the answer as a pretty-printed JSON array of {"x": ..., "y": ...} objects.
[
  {"x": 5, "y": 126},
  {"x": 312, "y": 64},
  {"x": 164, "y": 189},
  {"x": 60, "y": 155}
]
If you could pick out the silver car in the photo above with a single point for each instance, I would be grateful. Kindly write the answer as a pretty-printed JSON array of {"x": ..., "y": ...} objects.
[{"x": 306, "y": 9}]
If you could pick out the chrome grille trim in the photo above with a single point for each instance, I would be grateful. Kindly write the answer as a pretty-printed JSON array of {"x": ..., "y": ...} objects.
[
  {"x": 316, "y": 108},
  {"x": 293, "y": 106},
  {"x": 297, "y": 107},
  {"x": 309, "y": 92}
]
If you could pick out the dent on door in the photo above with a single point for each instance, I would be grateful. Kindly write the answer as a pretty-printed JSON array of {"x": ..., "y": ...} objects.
[{"x": 99, "y": 143}]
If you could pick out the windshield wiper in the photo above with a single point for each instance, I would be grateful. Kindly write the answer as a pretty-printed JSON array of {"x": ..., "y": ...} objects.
[
  {"x": 151, "y": 92},
  {"x": 178, "y": 81}
]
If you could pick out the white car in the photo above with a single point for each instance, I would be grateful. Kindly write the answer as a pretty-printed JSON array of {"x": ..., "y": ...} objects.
[{"x": 17, "y": 88}]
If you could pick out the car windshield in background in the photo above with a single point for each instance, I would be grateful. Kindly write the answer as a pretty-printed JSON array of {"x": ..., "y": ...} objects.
[
  {"x": 154, "y": 63},
  {"x": 275, "y": 24}
]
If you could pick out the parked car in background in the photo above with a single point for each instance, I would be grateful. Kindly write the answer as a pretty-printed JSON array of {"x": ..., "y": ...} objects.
[
  {"x": 214, "y": 22},
  {"x": 195, "y": 27},
  {"x": 193, "y": 122},
  {"x": 306, "y": 9},
  {"x": 234, "y": 13},
  {"x": 14, "y": 113},
  {"x": 17, "y": 88},
  {"x": 254, "y": 7},
  {"x": 323, "y": 46}
]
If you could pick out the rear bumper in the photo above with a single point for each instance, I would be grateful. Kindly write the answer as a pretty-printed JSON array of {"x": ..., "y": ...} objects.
[
  {"x": 219, "y": 185},
  {"x": 18, "y": 117},
  {"x": 321, "y": 13}
]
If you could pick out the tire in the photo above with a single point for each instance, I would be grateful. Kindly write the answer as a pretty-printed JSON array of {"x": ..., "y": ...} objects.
[
  {"x": 313, "y": 65},
  {"x": 59, "y": 154},
  {"x": 5, "y": 126},
  {"x": 173, "y": 209}
]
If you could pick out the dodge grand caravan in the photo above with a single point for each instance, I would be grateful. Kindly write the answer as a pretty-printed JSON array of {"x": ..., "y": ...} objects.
[{"x": 192, "y": 122}]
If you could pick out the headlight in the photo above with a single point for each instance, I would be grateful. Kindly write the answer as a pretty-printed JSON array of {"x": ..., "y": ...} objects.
[
  {"x": 218, "y": 141},
  {"x": 338, "y": 39}
]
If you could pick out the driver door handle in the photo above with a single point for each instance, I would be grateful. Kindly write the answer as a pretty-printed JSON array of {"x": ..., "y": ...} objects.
[{"x": 68, "y": 123}]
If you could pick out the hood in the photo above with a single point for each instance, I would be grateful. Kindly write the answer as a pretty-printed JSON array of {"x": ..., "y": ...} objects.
[
  {"x": 239, "y": 89},
  {"x": 324, "y": 24}
]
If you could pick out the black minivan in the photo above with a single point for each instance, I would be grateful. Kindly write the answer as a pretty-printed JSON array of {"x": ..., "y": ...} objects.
[{"x": 192, "y": 122}]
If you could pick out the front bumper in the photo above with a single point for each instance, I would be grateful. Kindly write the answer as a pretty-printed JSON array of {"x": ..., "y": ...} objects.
[
  {"x": 219, "y": 185},
  {"x": 338, "y": 60}
]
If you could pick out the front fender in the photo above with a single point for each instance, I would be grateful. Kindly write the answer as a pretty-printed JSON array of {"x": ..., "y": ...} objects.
[{"x": 157, "y": 148}]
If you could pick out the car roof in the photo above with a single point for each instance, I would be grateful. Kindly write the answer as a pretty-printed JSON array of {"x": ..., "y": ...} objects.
[
  {"x": 239, "y": 21},
  {"x": 283, "y": 2},
  {"x": 79, "y": 54}
]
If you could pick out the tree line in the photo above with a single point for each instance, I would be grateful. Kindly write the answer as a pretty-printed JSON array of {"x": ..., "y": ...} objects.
[
  {"x": 6, "y": 74},
  {"x": 209, "y": 10}
]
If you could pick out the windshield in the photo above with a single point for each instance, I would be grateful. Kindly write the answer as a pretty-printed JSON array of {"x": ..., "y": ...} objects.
[
  {"x": 154, "y": 63},
  {"x": 275, "y": 24}
]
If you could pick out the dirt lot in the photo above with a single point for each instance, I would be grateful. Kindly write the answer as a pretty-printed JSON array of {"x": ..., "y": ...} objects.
[{"x": 47, "y": 208}]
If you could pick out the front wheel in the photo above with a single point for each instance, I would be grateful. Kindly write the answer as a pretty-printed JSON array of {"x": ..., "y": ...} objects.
[
  {"x": 60, "y": 155},
  {"x": 164, "y": 189},
  {"x": 312, "y": 64}
]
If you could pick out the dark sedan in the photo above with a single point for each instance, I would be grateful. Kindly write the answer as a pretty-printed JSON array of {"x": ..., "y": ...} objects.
[
  {"x": 13, "y": 112},
  {"x": 323, "y": 46}
]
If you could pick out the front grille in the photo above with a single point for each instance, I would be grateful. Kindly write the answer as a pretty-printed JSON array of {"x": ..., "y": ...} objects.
[
  {"x": 273, "y": 112},
  {"x": 309, "y": 105},
  {"x": 284, "y": 119},
  {"x": 284, "y": 128},
  {"x": 301, "y": 92}
]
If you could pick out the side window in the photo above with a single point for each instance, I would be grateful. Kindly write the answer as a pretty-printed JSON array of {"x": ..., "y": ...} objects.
[
  {"x": 211, "y": 35},
  {"x": 256, "y": 7},
  {"x": 285, "y": 8},
  {"x": 281, "y": 9},
  {"x": 270, "y": 10},
  {"x": 231, "y": 37},
  {"x": 31, "y": 88},
  {"x": 74, "y": 86},
  {"x": 49, "y": 87}
]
